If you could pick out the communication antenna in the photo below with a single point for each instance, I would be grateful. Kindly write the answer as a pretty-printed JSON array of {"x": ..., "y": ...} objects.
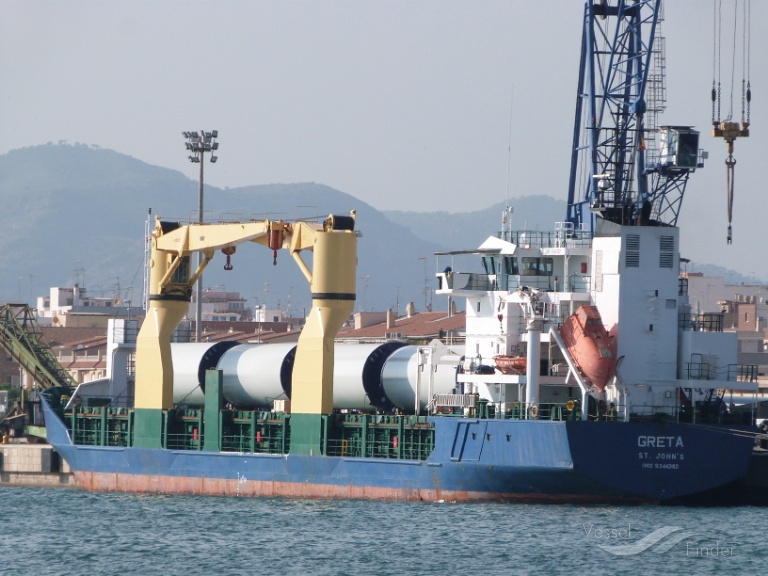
[{"x": 506, "y": 220}]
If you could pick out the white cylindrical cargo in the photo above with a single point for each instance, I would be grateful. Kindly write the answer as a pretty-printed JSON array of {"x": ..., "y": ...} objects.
[
  {"x": 349, "y": 390},
  {"x": 190, "y": 361},
  {"x": 357, "y": 376},
  {"x": 254, "y": 374},
  {"x": 366, "y": 376},
  {"x": 400, "y": 377}
]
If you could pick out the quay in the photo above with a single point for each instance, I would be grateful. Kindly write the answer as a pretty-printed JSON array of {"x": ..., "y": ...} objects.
[{"x": 27, "y": 464}]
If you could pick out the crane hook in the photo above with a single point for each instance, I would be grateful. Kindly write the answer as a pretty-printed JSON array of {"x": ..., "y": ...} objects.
[{"x": 228, "y": 250}]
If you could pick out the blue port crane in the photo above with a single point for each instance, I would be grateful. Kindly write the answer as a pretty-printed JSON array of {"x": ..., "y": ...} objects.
[{"x": 624, "y": 168}]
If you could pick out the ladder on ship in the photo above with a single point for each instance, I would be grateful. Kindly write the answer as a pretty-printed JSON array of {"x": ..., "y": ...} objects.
[
  {"x": 714, "y": 406},
  {"x": 21, "y": 338}
]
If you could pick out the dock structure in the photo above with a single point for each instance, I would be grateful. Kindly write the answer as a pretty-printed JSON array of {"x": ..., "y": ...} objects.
[{"x": 23, "y": 464}]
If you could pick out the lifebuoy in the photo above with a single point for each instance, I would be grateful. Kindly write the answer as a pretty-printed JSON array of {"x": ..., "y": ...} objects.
[
  {"x": 534, "y": 411},
  {"x": 570, "y": 405}
]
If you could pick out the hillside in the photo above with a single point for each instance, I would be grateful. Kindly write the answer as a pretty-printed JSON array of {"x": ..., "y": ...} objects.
[
  {"x": 458, "y": 231},
  {"x": 78, "y": 214}
]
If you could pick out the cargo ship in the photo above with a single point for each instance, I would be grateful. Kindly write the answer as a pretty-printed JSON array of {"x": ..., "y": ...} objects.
[{"x": 323, "y": 419}]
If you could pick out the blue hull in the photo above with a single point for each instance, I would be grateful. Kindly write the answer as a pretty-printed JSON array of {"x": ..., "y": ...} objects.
[{"x": 473, "y": 460}]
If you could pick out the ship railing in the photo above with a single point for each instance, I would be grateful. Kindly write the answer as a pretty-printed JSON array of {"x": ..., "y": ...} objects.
[
  {"x": 382, "y": 436},
  {"x": 556, "y": 411},
  {"x": 512, "y": 282},
  {"x": 712, "y": 410},
  {"x": 183, "y": 429},
  {"x": 246, "y": 444},
  {"x": 743, "y": 372},
  {"x": 544, "y": 283},
  {"x": 558, "y": 238},
  {"x": 709, "y": 322},
  {"x": 390, "y": 448},
  {"x": 481, "y": 282},
  {"x": 730, "y": 373},
  {"x": 701, "y": 371},
  {"x": 655, "y": 412},
  {"x": 579, "y": 283},
  {"x": 100, "y": 425},
  {"x": 466, "y": 281},
  {"x": 255, "y": 432},
  {"x": 606, "y": 412}
]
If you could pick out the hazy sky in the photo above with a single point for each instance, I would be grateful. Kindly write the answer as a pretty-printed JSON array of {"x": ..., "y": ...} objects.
[{"x": 405, "y": 105}]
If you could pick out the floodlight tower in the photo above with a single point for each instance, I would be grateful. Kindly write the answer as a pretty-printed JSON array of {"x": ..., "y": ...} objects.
[{"x": 198, "y": 145}]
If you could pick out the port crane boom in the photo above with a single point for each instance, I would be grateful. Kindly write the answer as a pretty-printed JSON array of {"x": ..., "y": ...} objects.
[{"x": 616, "y": 170}]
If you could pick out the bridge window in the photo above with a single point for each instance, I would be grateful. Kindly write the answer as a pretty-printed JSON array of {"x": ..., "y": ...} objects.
[
  {"x": 489, "y": 265},
  {"x": 537, "y": 266},
  {"x": 510, "y": 265}
]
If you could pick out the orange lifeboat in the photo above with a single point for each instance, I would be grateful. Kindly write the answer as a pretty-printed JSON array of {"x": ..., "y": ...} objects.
[
  {"x": 511, "y": 364},
  {"x": 590, "y": 346}
]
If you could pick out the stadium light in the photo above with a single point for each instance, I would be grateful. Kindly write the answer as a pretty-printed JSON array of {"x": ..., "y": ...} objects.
[{"x": 198, "y": 145}]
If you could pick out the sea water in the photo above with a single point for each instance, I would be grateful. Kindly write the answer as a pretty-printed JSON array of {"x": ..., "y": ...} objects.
[{"x": 66, "y": 531}]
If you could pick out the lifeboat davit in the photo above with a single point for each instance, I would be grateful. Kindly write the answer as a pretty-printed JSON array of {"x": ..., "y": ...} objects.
[
  {"x": 590, "y": 346},
  {"x": 511, "y": 364}
]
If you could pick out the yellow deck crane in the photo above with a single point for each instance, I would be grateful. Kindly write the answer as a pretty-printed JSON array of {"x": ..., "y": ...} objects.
[
  {"x": 728, "y": 129},
  {"x": 171, "y": 279}
]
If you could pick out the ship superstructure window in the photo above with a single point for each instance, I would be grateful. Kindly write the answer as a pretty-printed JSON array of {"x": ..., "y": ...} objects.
[
  {"x": 537, "y": 266},
  {"x": 507, "y": 266},
  {"x": 666, "y": 252},
  {"x": 632, "y": 251},
  {"x": 510, "y": 265},
  {"x": 489, "y": 265}
]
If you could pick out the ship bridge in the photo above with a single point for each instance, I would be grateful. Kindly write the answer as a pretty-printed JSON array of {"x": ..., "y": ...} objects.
[{"x": 551, "y": 261}]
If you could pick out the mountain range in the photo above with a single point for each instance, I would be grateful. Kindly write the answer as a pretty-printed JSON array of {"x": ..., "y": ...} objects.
[{"x": 78, "y": 214}]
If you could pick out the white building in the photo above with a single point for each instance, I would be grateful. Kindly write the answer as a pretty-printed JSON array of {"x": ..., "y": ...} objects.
[
  {"x": 220, "y": 306},
  {"x": 71, "y": 306}
]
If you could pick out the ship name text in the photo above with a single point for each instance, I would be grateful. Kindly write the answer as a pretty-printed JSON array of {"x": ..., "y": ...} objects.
[{"x": 660, "y": 441}]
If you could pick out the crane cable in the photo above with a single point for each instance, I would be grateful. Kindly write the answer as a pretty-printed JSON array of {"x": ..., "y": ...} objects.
[
  {"x": 728, "y": 129},
  {"x": 745, "y": 62},
  {"x": 716, "y": 63},
  {"x": 730, "y": 162}
]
